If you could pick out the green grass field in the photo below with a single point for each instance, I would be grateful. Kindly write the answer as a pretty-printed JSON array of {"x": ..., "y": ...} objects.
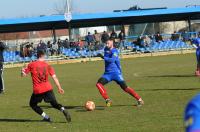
[{"x": 166, "y": 83}]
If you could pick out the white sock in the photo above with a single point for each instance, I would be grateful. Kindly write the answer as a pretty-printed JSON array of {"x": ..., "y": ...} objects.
[
  {"x": 140, "y": 99},
  {"x": 44, "y": 115},
  {"x": 62, "y": 109}
]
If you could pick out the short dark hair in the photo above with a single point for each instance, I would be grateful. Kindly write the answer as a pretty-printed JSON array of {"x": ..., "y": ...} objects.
[
  {"x": 40, "y": 53},
  {"x": 111, "y": 39}
]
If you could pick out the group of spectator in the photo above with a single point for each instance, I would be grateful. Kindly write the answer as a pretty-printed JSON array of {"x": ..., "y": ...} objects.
[
  {"x": 145, "y": 41},
  {"x": 95, "y": 41},
  {"x": 98, "y": 38},
  {"x": 51, "y": 48}
]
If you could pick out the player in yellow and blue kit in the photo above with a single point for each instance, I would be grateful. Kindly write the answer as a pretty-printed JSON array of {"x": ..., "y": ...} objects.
[
  {"x": 192, "y": 115},
  {"x": 113, "y": 72}
]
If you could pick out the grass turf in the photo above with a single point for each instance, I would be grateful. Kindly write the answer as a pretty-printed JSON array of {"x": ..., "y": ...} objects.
[{"x": 166, "y": 83}]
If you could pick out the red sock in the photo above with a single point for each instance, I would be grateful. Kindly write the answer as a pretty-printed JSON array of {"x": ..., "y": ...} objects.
[
  {"x": 102, "y": 90},
  {"x": 132, "y": 92}
]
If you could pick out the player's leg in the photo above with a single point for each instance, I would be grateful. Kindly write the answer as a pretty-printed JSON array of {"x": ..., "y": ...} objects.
[
  {"x": 131, "y": 91},
  {"x": 118, "y": 78},
  {"x": 100, "y": 85},
  {"x": 35, "y": 99},
  {"x": 1, "y": 78},
  {"x": 50, "y": 98},
  {"x": 198, "y": 63}
]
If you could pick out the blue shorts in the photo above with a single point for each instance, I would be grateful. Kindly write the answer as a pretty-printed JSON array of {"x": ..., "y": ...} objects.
[{"x": 113, "y": 77}]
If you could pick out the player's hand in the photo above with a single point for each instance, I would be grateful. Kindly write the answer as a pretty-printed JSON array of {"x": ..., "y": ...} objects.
[
  {"x": 23, "y": 72},
  {"x": 100, "y": 55},
  {"x": 61, "y": 91}
]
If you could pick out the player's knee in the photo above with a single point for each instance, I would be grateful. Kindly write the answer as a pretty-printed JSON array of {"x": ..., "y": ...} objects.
[
  {"x": 101, "y": 81},
  {"x": 123, "y": 85},
  {"x": 98, "y": 84},
  {"x": 55, "y": 105},
  {"x": 32, "y": 105}
]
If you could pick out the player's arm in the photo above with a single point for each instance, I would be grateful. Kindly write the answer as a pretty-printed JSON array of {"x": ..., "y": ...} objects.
[
  {"x": 25, "y": 71},
  {"x": 113, "y": 58},
  {"x": 55, "y": 79},
  {"x": 194, "y": 45},
  {"x": 100, "y": 55}
]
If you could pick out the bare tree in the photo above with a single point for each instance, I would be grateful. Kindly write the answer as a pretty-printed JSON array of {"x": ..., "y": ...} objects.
[{"x": 62, "y": 6}]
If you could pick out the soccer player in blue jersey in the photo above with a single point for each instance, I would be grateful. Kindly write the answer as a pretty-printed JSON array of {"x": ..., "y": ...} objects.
[
  {"x": 196, "y": 44},
  {"x": 113, "y": 72},
  {"x": 192, "y": 115}
]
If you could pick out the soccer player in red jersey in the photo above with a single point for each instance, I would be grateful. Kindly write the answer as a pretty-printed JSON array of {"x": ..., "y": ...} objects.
[{"x": 42, "y": 89}]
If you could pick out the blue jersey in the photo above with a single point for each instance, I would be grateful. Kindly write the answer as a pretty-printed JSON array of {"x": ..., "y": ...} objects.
[
  {"x": 197, "y": 41},
  {"x": 192, "y": 115},
  {"x": 112, "y": 61}
]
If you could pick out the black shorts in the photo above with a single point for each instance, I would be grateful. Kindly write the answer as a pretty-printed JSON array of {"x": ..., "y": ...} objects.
[{"x": 47, "y": 97}]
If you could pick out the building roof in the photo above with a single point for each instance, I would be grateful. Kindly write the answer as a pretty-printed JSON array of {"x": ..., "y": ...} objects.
[{"x": 99, "y": 19}]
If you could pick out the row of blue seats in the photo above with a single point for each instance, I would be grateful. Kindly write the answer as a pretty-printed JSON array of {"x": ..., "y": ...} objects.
[
  {"x": 13, "y": 56},
  {"x": 161, "y": 46},
  {"x": 81, "y": 53},
  {"x": 17, "y": 58},
  {"x": 170, "y": 45}
]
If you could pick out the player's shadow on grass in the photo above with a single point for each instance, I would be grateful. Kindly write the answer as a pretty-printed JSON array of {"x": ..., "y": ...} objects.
[
  {"x": 18, "y": 120},
  {"x": 49, "y": 107},
  {"x": 76, "y": 108},
  {"x": 23, "y": 120},
  {"x": 82, "y": 108},
  {"x": 173, "y": 76},
  {"x": 170, "y": 89},
  {"x": 103, "y": 107}
]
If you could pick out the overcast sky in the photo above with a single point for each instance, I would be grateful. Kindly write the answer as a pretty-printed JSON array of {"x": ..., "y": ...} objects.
[{"x": 25, "y": 8}]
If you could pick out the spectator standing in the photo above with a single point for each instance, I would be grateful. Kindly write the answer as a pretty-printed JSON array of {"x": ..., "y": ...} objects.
[
  {"x": 29, "y": 50},
  {"x": 113, "y": 35},
  {"x": 66, "y": 44},
  {"x": 89, "y": 39},
  {"x": 97, "y": 37},
  {"x": 60, "y": 46},
  {"x": 54, "y": 49},
  {"x": 121, "y": 37},
  {"x": 175, "y": 36},
  {"x": 104, "y": 37},
  {"x": 49, "y": 47},
  {"x": 185, "y": 36},
  {"x": 139, "y": 41},
  {"x": 42, "y": 46},
  {"x": 147, "y": 41},
  {"x": 2, "y": 48},
  {"x": 158, "y": 37}
]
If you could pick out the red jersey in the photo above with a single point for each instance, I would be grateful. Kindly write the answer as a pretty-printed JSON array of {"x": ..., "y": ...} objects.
[{"x": 40, "y": 71}]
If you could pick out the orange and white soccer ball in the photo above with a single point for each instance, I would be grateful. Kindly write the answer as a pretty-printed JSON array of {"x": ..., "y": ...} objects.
[{"x": 89, "y": 105}]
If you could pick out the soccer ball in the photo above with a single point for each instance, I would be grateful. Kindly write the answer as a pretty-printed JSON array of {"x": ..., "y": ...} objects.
[{"x": 89, "y": 105}]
